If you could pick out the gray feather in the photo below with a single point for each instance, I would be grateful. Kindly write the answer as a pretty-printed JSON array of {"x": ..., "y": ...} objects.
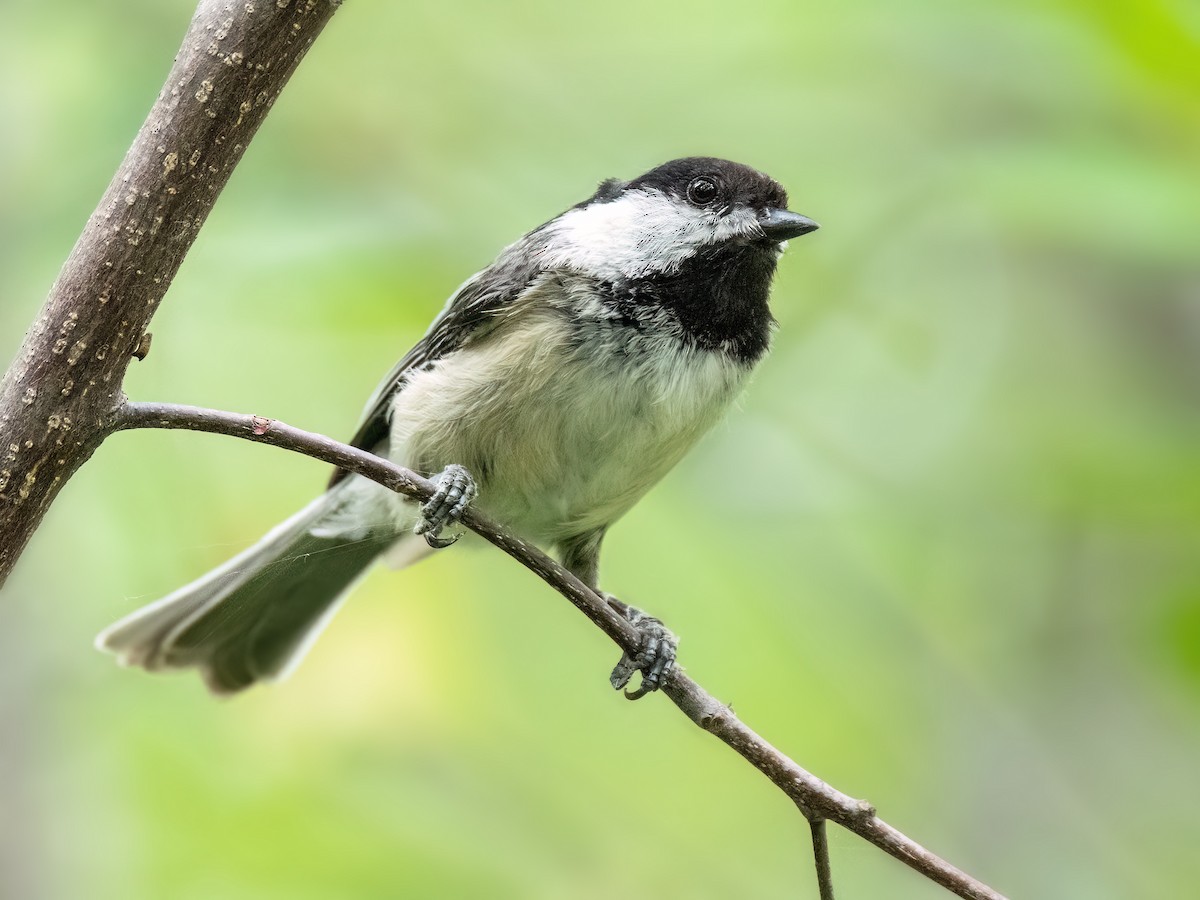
[
  {"x": 253, "y": 618},
  {"x": 478, "y": 306}
]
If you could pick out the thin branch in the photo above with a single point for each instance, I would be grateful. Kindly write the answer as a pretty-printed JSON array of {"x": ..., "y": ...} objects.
[
  {"x": 820, "y": 842},
  {"x": 62, "y": 395},
  {"x": 816, "y": 799}
]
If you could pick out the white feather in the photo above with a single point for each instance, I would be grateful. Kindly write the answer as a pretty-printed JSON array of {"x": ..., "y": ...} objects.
[
  {"x": 642, "y": 232},
  {"x": 561, "y": 441}
]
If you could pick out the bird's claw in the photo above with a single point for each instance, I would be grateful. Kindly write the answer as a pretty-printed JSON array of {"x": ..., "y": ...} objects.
[
  {"x": 455, "y": 491},
  {"x": 656, "y": 654}
]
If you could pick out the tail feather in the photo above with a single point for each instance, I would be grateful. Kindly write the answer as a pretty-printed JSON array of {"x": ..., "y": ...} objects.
[{"x": 253, "y": 618}]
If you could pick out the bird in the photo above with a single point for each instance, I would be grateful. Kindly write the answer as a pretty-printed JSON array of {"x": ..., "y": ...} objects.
[{"x": 554, "y": 389}]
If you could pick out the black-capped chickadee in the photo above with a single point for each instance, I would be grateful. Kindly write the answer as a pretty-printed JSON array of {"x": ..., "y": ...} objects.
[{"x": 555, "y": 388}]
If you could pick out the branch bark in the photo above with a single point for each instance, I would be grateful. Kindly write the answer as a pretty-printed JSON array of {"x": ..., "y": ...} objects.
[
  {"x": 58, "y": 395},
  {"x": 815, "y": 799}
]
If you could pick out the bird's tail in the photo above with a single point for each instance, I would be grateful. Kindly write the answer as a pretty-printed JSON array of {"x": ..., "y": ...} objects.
[{"x": 254, "y": 618}]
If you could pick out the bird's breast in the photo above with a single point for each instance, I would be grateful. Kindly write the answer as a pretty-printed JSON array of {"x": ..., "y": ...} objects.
[{"x": 563, "y": 431}]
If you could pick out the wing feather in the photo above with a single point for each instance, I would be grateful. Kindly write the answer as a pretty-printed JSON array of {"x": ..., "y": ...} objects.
[{"x": 471, "y": 312}]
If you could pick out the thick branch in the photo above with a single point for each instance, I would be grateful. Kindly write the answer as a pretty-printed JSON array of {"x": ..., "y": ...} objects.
[
  {"x": 816, "y": 799},
  {"x": 59, "y": 392}
]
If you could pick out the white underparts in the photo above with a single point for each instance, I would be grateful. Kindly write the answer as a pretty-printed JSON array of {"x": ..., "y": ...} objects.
[{"x": 561, "y": 442}]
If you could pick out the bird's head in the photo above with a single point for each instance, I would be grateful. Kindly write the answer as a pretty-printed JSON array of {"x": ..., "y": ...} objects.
[{"x": 653, "y": 224}]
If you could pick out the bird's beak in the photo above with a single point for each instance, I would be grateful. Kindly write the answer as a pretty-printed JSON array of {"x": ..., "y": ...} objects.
[{"x": 780, "y": 224}]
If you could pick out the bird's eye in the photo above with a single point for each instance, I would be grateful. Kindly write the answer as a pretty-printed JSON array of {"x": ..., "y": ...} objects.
[{"x": 702, "y": 191}]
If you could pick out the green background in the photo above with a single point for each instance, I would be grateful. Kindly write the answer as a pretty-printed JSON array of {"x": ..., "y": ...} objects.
[{"x": 946, "y": 553}]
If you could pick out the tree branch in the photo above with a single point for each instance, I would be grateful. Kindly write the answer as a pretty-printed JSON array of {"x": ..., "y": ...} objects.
[
  {"x": 820, "y": 842},
  {"x": 62, "y": 395},
  {"x": 234, "y": 61},
  {"x": 815, "y": 799}
]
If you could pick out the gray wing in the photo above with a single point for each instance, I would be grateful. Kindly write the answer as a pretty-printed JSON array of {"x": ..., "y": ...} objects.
[{"x": 473, "y": 310}]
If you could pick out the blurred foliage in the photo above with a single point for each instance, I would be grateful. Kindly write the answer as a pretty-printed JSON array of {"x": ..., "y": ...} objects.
[{"x": 947, "y": 552}]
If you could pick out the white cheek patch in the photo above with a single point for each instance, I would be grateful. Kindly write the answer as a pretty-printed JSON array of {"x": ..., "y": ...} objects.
[{"x": 640, "y": 233}]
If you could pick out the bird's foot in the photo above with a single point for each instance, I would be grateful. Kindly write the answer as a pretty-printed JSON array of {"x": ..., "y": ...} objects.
[
  {"x": 655, "y": 658},
  {"x": 455, "y": 491}
]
